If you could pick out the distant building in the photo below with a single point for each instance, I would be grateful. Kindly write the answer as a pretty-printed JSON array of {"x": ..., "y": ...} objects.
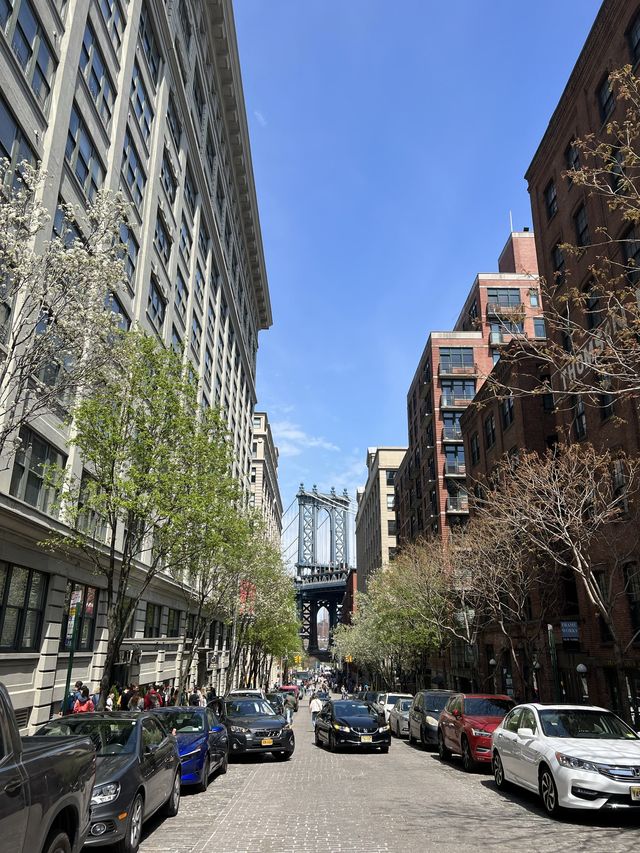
[
  {"x": 376, "y": 524},
  {"x": 265, "y": 492},
  {"x": 431, "y": 486}
]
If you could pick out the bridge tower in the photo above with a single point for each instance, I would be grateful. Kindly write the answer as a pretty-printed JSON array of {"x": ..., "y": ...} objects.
[{"x": 321, "y": 578}]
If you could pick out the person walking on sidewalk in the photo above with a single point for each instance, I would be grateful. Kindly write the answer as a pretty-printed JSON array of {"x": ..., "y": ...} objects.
[
  {"x": 315, "y": 706},
  {"x": 289, "y": 707}
]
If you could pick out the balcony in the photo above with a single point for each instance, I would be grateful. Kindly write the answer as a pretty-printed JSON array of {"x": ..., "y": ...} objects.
[
  {"x": 455, "y": 401},
  {"x": 458, "y": 505},
  {"x": 500, "y": 309},
  {"x": 457, "y": 369},
  {"x": 452, "y": 433},
  {"x": 454, "y": 469}
]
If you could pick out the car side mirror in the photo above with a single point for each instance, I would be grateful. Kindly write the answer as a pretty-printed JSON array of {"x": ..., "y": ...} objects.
[
  {"x": 526, "y": 733},
  {"x": 150, "y": 748},
  {"x": 217, "y": 729}
]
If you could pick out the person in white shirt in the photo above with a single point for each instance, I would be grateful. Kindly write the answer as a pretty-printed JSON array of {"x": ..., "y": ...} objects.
[{"x": 315, "y": 706}]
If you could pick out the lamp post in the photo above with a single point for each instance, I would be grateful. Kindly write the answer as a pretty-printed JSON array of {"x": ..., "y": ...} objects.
[
  {"x": 581, "y": 669},
  {"x": 492, "y": 664}
]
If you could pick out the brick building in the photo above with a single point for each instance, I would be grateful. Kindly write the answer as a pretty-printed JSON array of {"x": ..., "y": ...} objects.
[{"x": 565, "y": 212}]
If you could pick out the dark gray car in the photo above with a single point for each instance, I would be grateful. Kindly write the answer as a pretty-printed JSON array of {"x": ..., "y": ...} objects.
[
  {"x": 423, "y": 715},
  {"x": 138, "y": 773}
]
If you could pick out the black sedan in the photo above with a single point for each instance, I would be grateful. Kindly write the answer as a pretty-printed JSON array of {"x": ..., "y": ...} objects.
[
  {"x": 138, "y": 773},
  {"x": 254, "y": 726},
  {"x": 203, "y": 743},
  {"x": 276, "y": 700},
  {"x": 352, "y": 722}
]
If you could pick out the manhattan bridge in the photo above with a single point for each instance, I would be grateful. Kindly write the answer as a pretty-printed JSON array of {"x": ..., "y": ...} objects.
[{"x": 318, "y": 534}]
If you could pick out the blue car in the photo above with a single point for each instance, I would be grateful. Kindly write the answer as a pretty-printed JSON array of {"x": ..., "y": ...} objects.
[{"x": 203, "y": 744}]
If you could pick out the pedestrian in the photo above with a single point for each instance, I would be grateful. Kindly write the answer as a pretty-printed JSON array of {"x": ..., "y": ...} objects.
[
  {"x": 211, "y": 695},
  {"x": 111, "y": 698},
  {"x": 315, "y": 706},
  {"x": 152, "y": 699},
  {"x": 289, "y": 707},
  {"x": 343, "y": 692},
  {"x": 126, "y": 696},
  {"x": 84, "y": 703},
  {"x": 194, "y": 699},
  {"x": 136, "y": 702}
]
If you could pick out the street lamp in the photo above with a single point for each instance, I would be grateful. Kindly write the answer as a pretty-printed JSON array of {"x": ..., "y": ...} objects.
[
  {"x": 581, "y": 669},
  {"x": 492, "y": 664}
]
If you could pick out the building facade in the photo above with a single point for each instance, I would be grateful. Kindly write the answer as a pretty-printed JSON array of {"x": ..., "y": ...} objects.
[
  {"x": 265, "y": 491},
  {"x": 145, "y": 98},
  {"x": 431, "y": 487},
  {"x": 376, "y": 516}
]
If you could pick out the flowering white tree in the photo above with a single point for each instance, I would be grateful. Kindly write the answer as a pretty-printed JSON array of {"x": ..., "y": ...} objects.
[{"x": 55, "y": 334}]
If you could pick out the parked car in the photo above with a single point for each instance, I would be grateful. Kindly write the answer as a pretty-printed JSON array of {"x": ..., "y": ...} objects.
[
  {"x": 373, "y": 696},
  {"x": 276, "y": 700},
  {"x": 574, "y": 756},
  {"x": 352, "y": 722},
  {"x": 388, "y": 700},
  {"x": 424, "y": 714},
  {"x": 466, "y": 724},
  {"x": 254, "y": 726},
  {"x": 247, "y": 691},
  {"x": 138, "y": 772},
  {"x": 203, "y": 743},
  {"x": 295, "y": 690},
  {"x": 399, "y": 718},
  {"x": 45, "y": 789}
]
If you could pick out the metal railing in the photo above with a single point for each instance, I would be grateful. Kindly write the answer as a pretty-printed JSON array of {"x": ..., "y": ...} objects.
[
  {"x": 455, "y": 401},
  {"x": 458, "y": 503},
  {"x": 452, "y": 433}
]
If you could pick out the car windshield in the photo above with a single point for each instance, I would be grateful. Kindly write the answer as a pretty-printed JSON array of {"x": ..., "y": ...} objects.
[
  {"x": 487, "y": 707},
  {"x": 249, "y": 708},
  {"x": 403, "y": 704},
  {"x": 392, "y": 698},
  {"x": 587, "y": 724},
  {"x": 353, "y": 709},
  {"x": 109, "y": 737},
  {"x": 436, "y": 703},
  {"x": 183, "y": 721}
]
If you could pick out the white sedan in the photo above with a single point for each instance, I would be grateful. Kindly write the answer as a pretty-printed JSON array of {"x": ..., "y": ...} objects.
[
  {"x": 574, "y": 756},
  {"x": 388, "y": 700}
]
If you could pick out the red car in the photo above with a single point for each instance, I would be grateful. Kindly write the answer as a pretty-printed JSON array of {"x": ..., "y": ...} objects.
[
  {"x": 294, "y": 689},
  {"x": 466, "y": 724}
]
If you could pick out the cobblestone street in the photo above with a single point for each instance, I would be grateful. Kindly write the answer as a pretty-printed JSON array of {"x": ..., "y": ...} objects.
[{"x": 319, "y": 802}]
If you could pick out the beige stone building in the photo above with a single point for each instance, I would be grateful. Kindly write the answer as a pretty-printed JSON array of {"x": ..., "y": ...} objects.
[
  {"x": 376, "y": 514},
  {"x": 143, "y": 97},
  {"x": 265, "y": 492}
]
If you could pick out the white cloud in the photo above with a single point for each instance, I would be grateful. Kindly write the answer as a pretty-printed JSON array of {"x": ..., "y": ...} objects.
[
  {"x": 292, "y": 440},
  {"x": 259, "y": 117}
]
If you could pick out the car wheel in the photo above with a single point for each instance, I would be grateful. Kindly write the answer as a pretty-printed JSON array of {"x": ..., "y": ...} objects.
[
  {"x": 444, "y": 753},
  {"x": 411, "y": 738},
  {"x": 332, "y": 743},
  {"x": 131, "y": 840},
  {"x": 283, "y": 756},
  {"x": 57, "y": 842},
  {"x": 467, "y": 759},
  {"x": 172, "y": 806},
  {"x": 423, "y": 739},
  {"x": 498, "y": 772},
  {"x": 384, "y": 750},
  {"x": 204, "y": 778},
  {"x": 549, "y": 792},
  {"x": 316, "y": 738}
]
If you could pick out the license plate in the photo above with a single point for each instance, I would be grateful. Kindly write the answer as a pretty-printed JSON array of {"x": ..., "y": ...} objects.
[
  {"x": 635, "y": 792},
  {"x": 366, "y": 738},
  {"x": 266, "y": 741}
]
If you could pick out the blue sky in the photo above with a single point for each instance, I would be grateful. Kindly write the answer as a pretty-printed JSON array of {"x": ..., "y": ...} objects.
[{"x": 389, "y": 144}]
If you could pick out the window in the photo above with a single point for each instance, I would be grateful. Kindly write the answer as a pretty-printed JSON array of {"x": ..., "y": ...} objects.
[
  {"x": 5, "y": 12},
  {"x": 504, "y": 296},
  {"x": 149, "y": 43},
  {"x": 203, "y": 241},
  {"x": 572, "y": 160},
  {"x": 454, "y": 459},
  {"x": 94, "y": 70},
  {"x": 156, "y": 306},
  {"x": 168, "y": 179},
  {"x": 631, "y": 248},
  {"x": 140, "y": 103},
  {"x": 454, "y": 390},
  {"x": 210, "y": 152},
  {"x": 619, "y": 480},
  {"x": 189, "y": 190},
  {"x": 199, "y": 285},
  {"x": 185, "y": 22},
  {"x": 506, "y": 411},
  {"x": 219, "y": 194},
  {"x": 391, "y": 476},
  {"x": 173, "y": 622},
  {"x": 632, "y": 587},
  {"x": 82, "y": 157},
  {"x": 548, "y": 403},
  {"x": 173, "y": 120},
  {"x": 198, "y": 97},
  {"x": 579, "y": 419},
  {"x": 113, "y": 304},
  {"x": 114, "y": 20},
  {"x": 392, "y": 527},
  {"x": 557, "y": 259},
  {"x": 539, "y": 328},
  {"x": 176, "y": 341},
  {"x": 181, "y": 296},
  {"x": 581, "y": 225},
  {"x": 456, "y": 358},
  {"x": 132, "y": 172},
  {"x": 152, "y": 620},
  {"x": 22, "y": 601},
  {"x": 208, "y": 365},
  {"x": 28, "y": 477},
  {"x": 592, "y": 307},
  {"x": 89, "y": 521},
  {"x": 79, "y": 617},
  {"x": 33, "y": 51},
  {"x": 391, "y": 502},
  {"x": 227, "y": 232},
  {"x": 633, "y": 35},
  {"x": 211, "y": 320},
  {"x": 13, "y": 145},
  {"x": 490, "y": 431},
  {"x": 129, "y": 253},
  {"x": 196, "y": 334},
  {"x": 185, "y": 240},
  {"x": 392, "y": 554},
  {"x": 606, "y": 99},
  {"x": 161, "y": 239},
  {"x": 551, "y": 199},
  {"x": 606, "y": 405},
  {"x": 475, "y": 448},
  {"x": 534, "y": 298}
]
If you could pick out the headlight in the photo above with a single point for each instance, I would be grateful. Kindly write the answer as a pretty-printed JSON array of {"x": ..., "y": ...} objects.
[
  {"x": 188, "y": 755},
  {"x": 339, "y": 728},
  {"x": 383, "y": 729},
  {"x": 105, "y": 793},
  {"x": 577, "y": 763},
  {"x": 240, "y": 730},
  {"x": 480, "y": 733},
  {"x": 287, "y": 726},
  {"x": 431, "y": 721}
]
